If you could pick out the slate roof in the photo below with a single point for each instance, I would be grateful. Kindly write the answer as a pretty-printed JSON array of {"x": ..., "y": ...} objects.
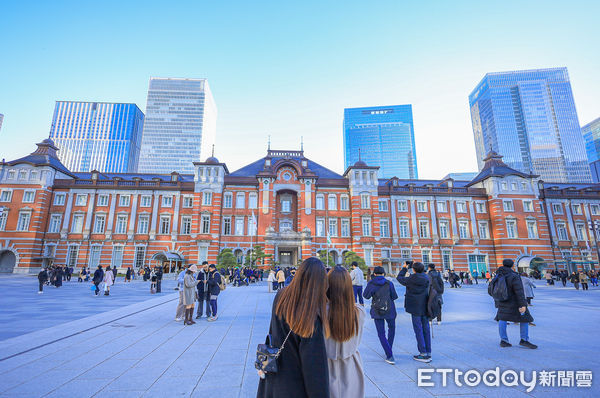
[
  {"x": 44, "y": 155},
  {"x": 495, "y": 167},
  {"x": 131, "y": 176},
  {"x": 256, "y": 167}
]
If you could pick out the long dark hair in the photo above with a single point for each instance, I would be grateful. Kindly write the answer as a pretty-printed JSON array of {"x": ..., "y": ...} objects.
[
  {"x": 300, "y": 303},
  {"x": 342, "y": 317}
]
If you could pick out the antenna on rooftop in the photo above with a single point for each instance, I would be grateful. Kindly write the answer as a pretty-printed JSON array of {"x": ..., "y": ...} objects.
[
  {"x": 269, "y": 143},
  {"x": 359, "y": 154},
  {"x": 213, "y": 150},
  {"x": 302, "y": 143}
]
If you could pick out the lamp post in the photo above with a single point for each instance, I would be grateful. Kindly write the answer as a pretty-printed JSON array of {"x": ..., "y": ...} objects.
[{"x": 594, "y": 226}]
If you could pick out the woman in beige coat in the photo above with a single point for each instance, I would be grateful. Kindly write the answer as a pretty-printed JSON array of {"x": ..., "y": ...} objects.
[
  {"x": 189, "y": 294},
  {"x": 108, "y": 280},
  {"x": 346, "y": 320}
]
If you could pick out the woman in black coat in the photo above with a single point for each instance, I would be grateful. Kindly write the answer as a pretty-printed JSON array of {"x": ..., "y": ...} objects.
[{"x": 302, "y": 365}]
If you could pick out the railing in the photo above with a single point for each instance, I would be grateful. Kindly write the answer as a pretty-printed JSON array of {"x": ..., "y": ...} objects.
[
  {"x": 120, "y": 183},
  {"x": 436, "y": 190}
]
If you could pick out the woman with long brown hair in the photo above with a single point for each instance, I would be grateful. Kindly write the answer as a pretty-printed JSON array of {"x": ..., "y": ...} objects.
[
  {"x": 345, "y": 319},
  {"x": 298, "y": 314}
]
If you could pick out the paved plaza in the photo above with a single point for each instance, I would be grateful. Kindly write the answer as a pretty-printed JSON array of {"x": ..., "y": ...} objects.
[{"x": 67, "y": 343}]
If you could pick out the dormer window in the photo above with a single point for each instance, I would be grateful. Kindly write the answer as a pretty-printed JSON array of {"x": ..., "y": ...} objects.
[
  {"x": 94, "y": 175},
  {"x": 174, "y": 177},
  {"x": 268, "y": 162},
  {"x": 11, "y": 174},
  {"x": 22, "y": 175}
]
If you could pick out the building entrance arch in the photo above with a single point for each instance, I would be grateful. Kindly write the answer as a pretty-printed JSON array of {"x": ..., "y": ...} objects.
[{"x": 8, "y": 261}]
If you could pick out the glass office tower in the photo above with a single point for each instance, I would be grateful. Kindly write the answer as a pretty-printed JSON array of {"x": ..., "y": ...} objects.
[
  {"x": 1, "y": 120},
  {"x": 385, "y": 137},
  {"x": 591, "y": 135},
  {"x": 97, "y": 136},
  {"x": 180, "y": 125},
  {"x": 529, "y": 117}
]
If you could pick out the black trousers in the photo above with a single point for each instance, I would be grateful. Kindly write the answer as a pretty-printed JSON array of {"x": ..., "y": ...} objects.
[
  {"x": 41, "y": 288},
  {"x": 158, "y": 282}
]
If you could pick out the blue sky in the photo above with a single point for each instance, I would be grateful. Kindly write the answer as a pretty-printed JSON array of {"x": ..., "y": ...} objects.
[{"x": 289, "y": 68}]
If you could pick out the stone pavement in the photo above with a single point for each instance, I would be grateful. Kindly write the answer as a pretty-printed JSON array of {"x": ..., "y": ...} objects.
[{"x": 138, "y": 350}]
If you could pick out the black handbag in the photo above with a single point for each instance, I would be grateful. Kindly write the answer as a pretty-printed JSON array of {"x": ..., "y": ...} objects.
[{"x": 266, "y": 356}]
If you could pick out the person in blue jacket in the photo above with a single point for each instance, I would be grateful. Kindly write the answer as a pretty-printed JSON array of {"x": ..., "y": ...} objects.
[{"x": 382, "y": 294}]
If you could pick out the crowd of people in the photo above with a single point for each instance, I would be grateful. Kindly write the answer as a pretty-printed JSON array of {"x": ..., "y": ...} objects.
[
  {"x": 581, "y": 277},
  {"x": 198, "y": 285},
  {"x": 53, "y": 275}
]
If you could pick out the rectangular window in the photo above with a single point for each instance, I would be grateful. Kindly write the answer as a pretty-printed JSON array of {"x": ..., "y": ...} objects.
[
  {"x": 386, "y": 253},
  {"x": 28, "y": 196},
  {"x": 5, "y": 196},
  {"x": 206, "y": 198},
  {"x": 165, "y": 225},
  {"x": 478, "y": 262},
  {"x": 442, "y": 207},
  {"x": 167, "y": 201},
  {"x": 447, "y": 259},
  {"x": 366, "y": 226},
  {"x": 140, "y": 255},
  {"x": 117, "y": 256},
  {"x": 405, "y": 254},
  {"x": 240, "y": 200},
  {"x": 344, "y": 204},
  {"x": 320, "y": 227},
  {"x": 23, "y": 222},
  {"x": 320, "y": 203},
  {"x": 461, "y": 207},
  {"x": 426, "y": 256},
  {"x": 102, "y": 200},
  {"x": 557, "y": 208},
  {"x": 252, "y": 201},
  {"x": 72, "y": 254},
  {"x": 594, "y": 210},
  {"x": 483, "y": 230},
  {"x": 99, "y": 224},
  {"x": 286, "y": 206},
  {"x": 146, "y": 201},
  {"x": 95, "y": 254},
  {"x": 532, "y": 232},
  {"x": 124, "y": 200},
  {"x": 3, "y": 217},
  {"x": 402, "y": 206},
  {"x": 332, "y": 202},
  {"x": 511, "y": 229},
  {"x": 383, "y": 205},
  {"x": 580, "y": 231},
  {"x": 507, "y": 205},
  {"x": 205, "y": 224},
  {"x": 143, "y": 222},
  {"x": 252, "y": 226},
  {"x": 513, "y": 186},
  {"x": 444, "y": 233},
  {"x": 228, "y": 200},
  {"x": 345, "y": 228},
  {"x": 527, "y": 206},
  {"x": 22, "y": 175},
  {"x": 333, "y": 229},
  {"x": 227, "y": 226},
  {"x": 424, "y": 229},
  {"x": 421, "y": 206},
  {"x": 121, "y": 227},
  {"x": 239, "y": 226},
  {"x": 403, "y": 229},
  {"x": 77, "y": 226},
  {"x": 54, "y": 225},
  {"x": 80, "y": 200},
  {"x": 368, "y": 257},
  {"x": 576, "y": 209},
  {"x": 188, "y": 201},
  {"x": 186, "y": 225},
  {"x": 561, "y": 231},
  {"x": 365, "y": 201},
  {"x": 11, "y": 175},
  {"x": 384, "y": 228},
  {"x": 59, "y": 199},
  {"x": 480, "y": 207},
  {"x": 463, "y": 229}
]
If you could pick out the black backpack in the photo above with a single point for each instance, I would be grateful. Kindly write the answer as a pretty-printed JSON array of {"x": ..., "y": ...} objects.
[
  {"x": 498, "y": 288},
  {"x": 380, "y": 302}
]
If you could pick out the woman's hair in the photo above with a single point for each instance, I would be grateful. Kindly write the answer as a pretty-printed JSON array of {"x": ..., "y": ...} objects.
[
  {"x": 300, "y": 303},
  {"x": 342, "y": 317}
]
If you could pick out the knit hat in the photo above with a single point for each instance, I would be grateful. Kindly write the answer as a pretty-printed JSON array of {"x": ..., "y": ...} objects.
[{"x": 193, "y": 268}]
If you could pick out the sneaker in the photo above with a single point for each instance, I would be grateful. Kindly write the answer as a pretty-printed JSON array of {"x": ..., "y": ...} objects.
[
  {"x": 532, "y": 324},
  {"x": 40, "y": 292},
  {"x": 390, "y": 360},
  {"x": 210, "y": 319},
  {"x": 505, "y": 344},
  {"x": 178, "y": 319},
  {"x": 422, "y": 358},
  {"x": 197, "y": 316},
  {"x": 527, "y": 344}
]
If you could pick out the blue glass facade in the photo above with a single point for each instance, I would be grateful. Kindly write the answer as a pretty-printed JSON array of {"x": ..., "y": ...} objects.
[
  {"x": 529, "y": 117},
  {"x": 98, "y": 136},
  {"x": 591, "y": 135},
  {"x": 385, "y": 137}
]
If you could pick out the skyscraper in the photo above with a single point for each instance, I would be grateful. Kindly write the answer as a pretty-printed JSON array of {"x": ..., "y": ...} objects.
[
  {"x": 1, "y": 120},
  {"x": 180, "y": 125},
  {"x": 591, "y": 135},
  {"x": 385, "y": 137},
  {"x": 97, "y": 135},
  {"x": 529, "y": 117}
]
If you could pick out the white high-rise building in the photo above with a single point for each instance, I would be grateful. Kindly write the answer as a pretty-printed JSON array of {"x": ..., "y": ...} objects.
[
  {"x": 1, "y": 120},
  {"x": 180, "y": 125}
]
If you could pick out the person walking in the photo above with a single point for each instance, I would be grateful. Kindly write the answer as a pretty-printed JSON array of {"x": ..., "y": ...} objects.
[
  {"x": 280, "y": 276},
  {"x": 436, "y": 283},
  {"x": 358, "y": 279},
  {"x": 108, "y": 280},
  {"x": 128, "y": 275},
  {"x": 203, "y": 294},
  {"x": 382, "y": 295},
  {"x": 180, "y": 311},
  {"x": 152, "y": 282},
  {"x": 574, "y": 278},
  {"x": 42, "y": 278},
  {"x": 271, "y": 280},
  {"x": 475, "y": 275},
  {"x": 583, "y": 279},
  {"x": 114, "y": 271},
  {"x": 528, "y": 287},
  {"x": 548, "y": 277},
  {"x": 488, "y": 277},
  {"x": 563, "y": 277},
  {"x": 507, "y": 290},
  {"x": 189, "y": 294},
  {"x": 594, "y": 278},
  {"x": 98, "y": 277},
  {"x": 298, "y": 320},
  {"x": 159, "y": 276},
  {"x": 214, "y": 288},
  {"x": 346, "y": 319},
  {"x": 415, "y": 303},
  {"x": 59, "y": 277}
]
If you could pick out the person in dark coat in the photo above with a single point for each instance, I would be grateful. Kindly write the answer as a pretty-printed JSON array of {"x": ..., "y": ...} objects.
[
  {"x": 59, "y": 277},
  {"x": 159, "y": 276},
  {"x": 436, "y": 283},
  {"x": 114, "y": 271},
  {"x": 214, "y": 288},
  {"x": 203, "y": 294},
  {"x": 563, "y": 277},
  {"x": 302, "y": 365},
  {"x": 373, "y": 289},
  {"x": 514, "y": 309},
  {"x": 415, "y": 303},
  {"x": 42, "y": 278},
  {"x": 98, "y": 277}
]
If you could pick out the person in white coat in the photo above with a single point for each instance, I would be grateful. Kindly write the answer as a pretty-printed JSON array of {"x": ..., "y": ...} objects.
[
  {"x": 528, "y": 287},
  {"x": 358, "y": 279},
  {"x": 270, "y": 280},
  {"x": 345, "y": 319},
  {"x": 108, "y": 280}
]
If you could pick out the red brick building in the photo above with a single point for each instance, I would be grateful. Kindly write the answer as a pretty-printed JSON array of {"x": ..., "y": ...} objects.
[{"x": 289, "y": 205}]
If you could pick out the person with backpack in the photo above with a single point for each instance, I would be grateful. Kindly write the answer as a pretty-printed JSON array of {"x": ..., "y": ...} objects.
[
  {"x": 358, "y": 279},
  {"x": 215, "y": 285},
  {"x": 415, "y": 303},
  {"x": 42, "y": 278},
  {"x": 506, "y": 288},
  {"x": 382, "y": 295},
  {"x": 435, "y": 300},
  {"x": 574, "y": 279},
  {"x": 298, "y": 329},
  {"x": 203, "y": 294},
  {"x": 584, "y": 279}
]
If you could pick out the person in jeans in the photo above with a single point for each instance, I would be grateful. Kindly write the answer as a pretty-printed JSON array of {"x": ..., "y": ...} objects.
[
  {"x": 381, "y": 290},
  {"x": 214, "y": 288},
  {"x": 98, "y": 277},
  {"x": 203, "y": 294},
  {"x": 415, "y": 303},
  {"x": 514, "y": 309},
  {"x": 357, "y": 282}
]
